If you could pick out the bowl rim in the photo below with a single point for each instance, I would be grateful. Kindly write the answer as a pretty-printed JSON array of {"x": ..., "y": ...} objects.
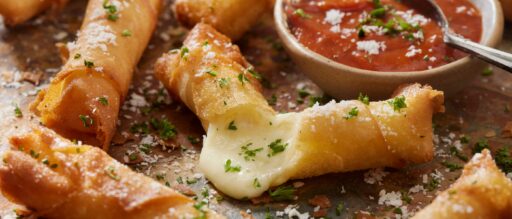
[{"x": 496, "y": 32}]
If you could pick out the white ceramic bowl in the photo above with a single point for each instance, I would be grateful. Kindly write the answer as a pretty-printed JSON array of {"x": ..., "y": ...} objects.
[{"x": 343, "y": 81}]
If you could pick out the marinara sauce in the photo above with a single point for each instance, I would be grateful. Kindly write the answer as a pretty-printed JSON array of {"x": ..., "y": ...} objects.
[{"x": 386, "y": 35}]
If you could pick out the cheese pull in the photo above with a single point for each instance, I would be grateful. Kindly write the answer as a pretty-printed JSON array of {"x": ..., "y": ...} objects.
[
  {"x": 59, "y": 179},
  {"x": 19, "y": 11},
  {"x": 482, "y": 191},
  {"x": 231, "y": 17},
  {"x": 82, "y": 101},
  {"x": 249, "y": 148}
]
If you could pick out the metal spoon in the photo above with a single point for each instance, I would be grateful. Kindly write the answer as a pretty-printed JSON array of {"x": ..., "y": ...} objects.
[{"x": 496, "y": 57}]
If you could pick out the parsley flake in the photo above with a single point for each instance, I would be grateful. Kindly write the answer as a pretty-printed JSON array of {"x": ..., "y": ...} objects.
[
  {"x": 87, "y": 121},
  {"x": 232, "y": 126},
  {"x": 283, "y": 193},
  {"x": 398, "y": 103},
  {"x": 503, "y": 159},
  {"x": 256, "y": 183},
  {"x": 88, "y": 64},
  {"x": 103, "y": 101},
  {"x": 276, "y": 147},
  {"x": 165, "y": 128},
  {"x": 223, "y": 82},
  {"x": 480, "y": 145},
  {"x": 300, "y": 12},
  {"x": 364, "y": 98},
  {"x": 126, "y": 33},
  {"x": 110, "y": 10},
  {"x": 212, "y": 73},
  {"x": 231, "y": 169},
  {"x": 111, "y": 172},
  {"x": 249, "y": 154},
  {"x": 352, "y": 113},
  {"x": 242, "y": 78},
  {"x": 17, "y": 112}
]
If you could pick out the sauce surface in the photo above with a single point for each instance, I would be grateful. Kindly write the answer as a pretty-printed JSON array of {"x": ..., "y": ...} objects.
[{"x": 386, "y": 35}]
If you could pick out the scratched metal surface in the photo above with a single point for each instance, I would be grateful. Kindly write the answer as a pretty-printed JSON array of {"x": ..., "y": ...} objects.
[{"x": 479, "y": 111}]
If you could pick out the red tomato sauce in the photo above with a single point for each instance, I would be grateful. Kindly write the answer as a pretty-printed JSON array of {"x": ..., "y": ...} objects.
[{"x": 405, "y": 37}]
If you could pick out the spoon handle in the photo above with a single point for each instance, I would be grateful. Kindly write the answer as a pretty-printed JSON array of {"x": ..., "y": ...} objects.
[{"x": 496, "y": 57}]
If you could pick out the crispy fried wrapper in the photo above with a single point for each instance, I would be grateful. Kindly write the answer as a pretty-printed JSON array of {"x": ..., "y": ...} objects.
[
  {"x": 210, "y": 76},
  {"x": 83, "y": 100},
  {"x": 482, "y": 191},
  {"x": 231, "y": 17},
  {"x": 18, "y": 11},
  {"x": 59, "y": 179}
]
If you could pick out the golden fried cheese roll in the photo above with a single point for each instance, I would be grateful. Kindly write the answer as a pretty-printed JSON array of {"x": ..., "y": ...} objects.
[
  {"x": 59, "y": 179},
  {"x": 231, "y": 17},
  {"x": 19, "y": 11},
  {"x": 250, "y": 148},
  {"x": 82, "y": 101},
  {"x": 482, "y": 191}
]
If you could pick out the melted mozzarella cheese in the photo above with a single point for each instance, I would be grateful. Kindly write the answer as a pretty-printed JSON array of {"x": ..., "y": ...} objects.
[{"x": 257, "y": 173}]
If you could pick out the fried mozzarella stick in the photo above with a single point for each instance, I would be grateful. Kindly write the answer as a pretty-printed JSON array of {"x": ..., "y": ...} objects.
[
  {"x": 82, "y": 101},
  {"x": 19, "y": 11},
  {"x": 59, "y": 179},
  {"x": 482, "y": 191},
  {"x": 231, "y": 17},
  {"x": 250, "y": 148}
]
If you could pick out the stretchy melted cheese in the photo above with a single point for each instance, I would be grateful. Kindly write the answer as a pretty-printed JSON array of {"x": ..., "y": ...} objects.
[{"x": 250, "y": 148}]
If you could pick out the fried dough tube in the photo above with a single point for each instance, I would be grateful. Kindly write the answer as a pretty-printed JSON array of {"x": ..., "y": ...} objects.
[
  {"x": 231, "y": 17},
  {"x": 82, "y": 101},
  {"x": 19, "y": 11},
  {"x": 250, "y": 148},
  {"x": 482, "y": 191},
  {"x": 58, "y": 179}
]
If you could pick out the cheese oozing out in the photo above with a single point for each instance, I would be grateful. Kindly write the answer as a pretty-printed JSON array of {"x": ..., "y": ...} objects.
[{"x": 260, "y": 168}]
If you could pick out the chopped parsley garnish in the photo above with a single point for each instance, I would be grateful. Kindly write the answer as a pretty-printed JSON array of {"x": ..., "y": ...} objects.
[
  {"x": 276, "y": 147},
  {"x": 191, "y": 181},
  {"x": 398, "y": 103},
  {"x": 282, "y": 193},
  {"x": 487, "y": 72},
  {"x": 199, "y": 206},
  {"x": 111, "y": 172},
  {"x": 193, "y": 140},
  {"x": 300, "y": 12},
  {"x": 34, "y": 154},
  {"x": 321, "y": 100},
  {"x": 464, "y": 139},
  {"x": 256, "y": 183},
  {"x": 303, "y": 93},
  {"x": 503, "y": 159},
  {"x": 231, "y": 169},
  {"x": 184, "y": 52},
  {"x": 140, "y": 128},
  {"x": 223, "y": 82},
  {"x": 232, "y": 126},
  {"x": 165, "y": 129},
  {"x": 126, "y": 33},
  {"x": 480, "y": 145},
  {"x": 254, "y": 74},
  {"x": 451, "y": 166},
  {"x": 377, "y": 4},
  {"x": 405, "y": 197},
  {"x": 454, "y": 151},
  {"x": 87, "y": 121},
  {"x": 160, "y": 176},
  {"x": 340, "y": 208},
  {"x": 378, "y": 12},
  {"x": 249, "y": 154},
  {"x": 242, "y": 78},
  {"x": 352, "y": 113},
  {"x": 88, "y": 64},
  {"x": 432, "y": 184},
  {"x": 110, "y": 10},
  {"x": 145, "y": 148},
  {"x": 103, "y": 101},
  {"x": 361, "y": 33},
  {"x": 272, "y": 100},
  {"x": 364, "y": 98},
  {"x": 212, "y": 73},
  {"x": 17, "y": 112},
  {"x": 77, "y": 56}
]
